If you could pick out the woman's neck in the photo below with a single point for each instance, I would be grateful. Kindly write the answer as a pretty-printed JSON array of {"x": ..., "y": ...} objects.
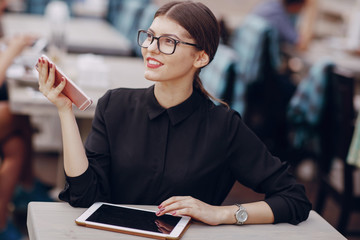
[{"x": 169, "y": 95}]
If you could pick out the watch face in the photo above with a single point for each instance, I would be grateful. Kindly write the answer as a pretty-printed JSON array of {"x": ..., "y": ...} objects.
[{"x": 241, "y": 216}]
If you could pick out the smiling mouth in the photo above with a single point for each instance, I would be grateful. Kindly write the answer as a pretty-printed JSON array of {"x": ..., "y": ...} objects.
[{"x": 151, "y": 63}]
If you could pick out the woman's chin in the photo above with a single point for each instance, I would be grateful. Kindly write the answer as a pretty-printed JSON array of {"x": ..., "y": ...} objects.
[{"x": 150, "y": 77}]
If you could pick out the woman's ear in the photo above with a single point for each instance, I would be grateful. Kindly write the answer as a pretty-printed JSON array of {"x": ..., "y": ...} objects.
[{"x": 202, "y": 59}]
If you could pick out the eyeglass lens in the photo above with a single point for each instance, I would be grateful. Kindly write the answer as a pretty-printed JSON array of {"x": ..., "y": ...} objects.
[{"x": 165, "y": 44}]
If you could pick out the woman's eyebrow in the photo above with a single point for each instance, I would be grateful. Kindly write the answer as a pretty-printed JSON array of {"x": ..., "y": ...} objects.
[{"x": 166, "y": 35}]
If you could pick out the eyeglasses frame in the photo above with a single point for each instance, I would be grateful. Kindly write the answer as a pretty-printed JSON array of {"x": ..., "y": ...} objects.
[{"x": 158, "y": 43}]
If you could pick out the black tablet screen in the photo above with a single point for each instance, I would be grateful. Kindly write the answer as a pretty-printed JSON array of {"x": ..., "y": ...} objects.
[{"x": 133, "y": 218}]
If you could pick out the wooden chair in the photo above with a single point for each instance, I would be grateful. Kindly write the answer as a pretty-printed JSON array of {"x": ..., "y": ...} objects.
[{"x": 335, "y": 137}]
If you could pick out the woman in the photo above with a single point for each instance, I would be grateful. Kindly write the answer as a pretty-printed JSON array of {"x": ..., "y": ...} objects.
[
  {"x": 169, "y": 144},
  {"x": 15, "y": 139}
]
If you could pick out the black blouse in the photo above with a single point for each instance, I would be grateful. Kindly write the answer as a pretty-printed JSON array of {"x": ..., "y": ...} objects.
[{"x": 142, "y": 153}]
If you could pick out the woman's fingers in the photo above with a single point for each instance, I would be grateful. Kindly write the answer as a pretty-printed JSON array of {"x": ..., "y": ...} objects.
[
  {"x": 47, "y": 85},
  {"x": 54, "y": 93},
  {"x": 51, "y": 77},
  {"x": 39, "y": 69},
  {"x": 174, "y": 204},
  {"x": 189, "y": 206},
  {"x": 46, "y": 75},
  {"x": 47, "y": 79},
  {"x": 173, "y": 200},
  {"x": 44, "y": 68},
  {"x": 43, "y": 71}
]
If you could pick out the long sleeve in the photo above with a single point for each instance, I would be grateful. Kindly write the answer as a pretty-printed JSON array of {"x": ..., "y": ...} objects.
[
  {"x": 93, "y": 185},
  {"x": 253, "y": 166}
]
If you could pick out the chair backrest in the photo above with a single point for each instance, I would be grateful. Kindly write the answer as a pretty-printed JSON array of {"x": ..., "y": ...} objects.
[
  {"x": 338, "y": 178},
  {"x": 306, "y": 108},
  {"x": 257, "y": 46},
  {"x": 116, "y": 6},
  {"x": 257, "y": 88},
  {"x": 128, "y": 16},
  {"x": 218, "y": 76},
  {"x": 126, "y": 21},
  {"x": 248, "y": 40},
  {"x": 337, "y": 123},
  {"x": 36, "y": 6},
  {"x": 113, "y": 10},
  {"x": 39, "y": 6},
  {"x": 144, "y": 23},
  {"x": 3, "y": 92}
]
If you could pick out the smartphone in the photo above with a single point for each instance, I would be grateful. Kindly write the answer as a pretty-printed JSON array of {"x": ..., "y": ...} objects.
[
  {"x": 73, "y": 92},
  {"x": 133, "y": 220}
]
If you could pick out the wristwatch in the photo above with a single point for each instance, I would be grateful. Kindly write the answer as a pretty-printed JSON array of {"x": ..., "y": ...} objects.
[{"x": 241, "y": 215}]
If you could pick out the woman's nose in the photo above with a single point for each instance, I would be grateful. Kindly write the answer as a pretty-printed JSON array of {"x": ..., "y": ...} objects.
[{"x": 153, "y": 47}]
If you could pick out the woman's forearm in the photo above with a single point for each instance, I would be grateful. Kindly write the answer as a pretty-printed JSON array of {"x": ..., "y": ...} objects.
[
  {"x": 258, "y": 212},
  {"x": 14, "y": 47},
  {"x": 75, "y": 160},
  {"x": 306, "y": 30},
  {"x": 6, "y": 59}
]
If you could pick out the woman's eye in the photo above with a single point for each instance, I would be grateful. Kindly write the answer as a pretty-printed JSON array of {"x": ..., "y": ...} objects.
[{"x": 169, "y": 41}]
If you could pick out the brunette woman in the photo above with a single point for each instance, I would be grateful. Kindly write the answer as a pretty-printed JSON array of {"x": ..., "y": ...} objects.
[{"x": 169, "y": 144}]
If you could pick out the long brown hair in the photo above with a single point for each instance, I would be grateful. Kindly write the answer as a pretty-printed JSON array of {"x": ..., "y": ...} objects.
[{"x": 202, "y": 26}]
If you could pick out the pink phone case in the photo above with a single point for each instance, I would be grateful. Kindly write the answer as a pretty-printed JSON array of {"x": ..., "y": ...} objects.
[{"x": 73, "y": 92}]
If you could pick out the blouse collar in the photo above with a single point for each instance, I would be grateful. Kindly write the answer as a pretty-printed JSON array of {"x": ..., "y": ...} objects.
[{"x": 177, "y": 113}]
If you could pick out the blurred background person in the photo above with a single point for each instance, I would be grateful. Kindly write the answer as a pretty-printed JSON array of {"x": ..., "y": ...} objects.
[
  {"x": 283, "y": 15},
  {"x": 15, "y": 143},
  {"x": 293, "y": 21}
]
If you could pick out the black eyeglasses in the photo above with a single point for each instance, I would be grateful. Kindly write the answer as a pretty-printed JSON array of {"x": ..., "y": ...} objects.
[{"x": 165, "y": 44}]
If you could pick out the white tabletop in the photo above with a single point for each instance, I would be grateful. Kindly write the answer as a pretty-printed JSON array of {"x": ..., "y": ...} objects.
[
  {"x": 56, "y": 221},
  {"x": 82, "y": 34}
]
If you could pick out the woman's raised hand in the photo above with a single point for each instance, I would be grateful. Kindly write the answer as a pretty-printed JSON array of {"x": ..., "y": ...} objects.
[
  {"x": 19, "y": 42},
  {"x": 46, "y": 85},
  {"x": 198, "y": 210}
]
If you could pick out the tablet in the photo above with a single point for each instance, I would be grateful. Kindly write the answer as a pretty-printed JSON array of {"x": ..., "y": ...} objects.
[{"x": 132, "y": 220}]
